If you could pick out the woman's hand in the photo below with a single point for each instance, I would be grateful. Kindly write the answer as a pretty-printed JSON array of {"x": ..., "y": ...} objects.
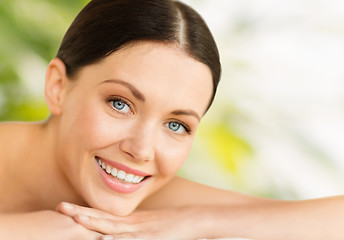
[
  {"x": 177, "y": 223},
  {"x": 264, "y": 219},
  {"x": 43, "y": 225}
]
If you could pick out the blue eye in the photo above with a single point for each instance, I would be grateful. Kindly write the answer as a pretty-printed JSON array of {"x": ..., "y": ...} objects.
[
  {"x": 120, "y": 106},
  {"x": 177, "y": 127},
  {"x": 174, "y": 126}
]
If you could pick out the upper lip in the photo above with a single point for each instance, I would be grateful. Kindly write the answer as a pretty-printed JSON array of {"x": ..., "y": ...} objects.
[{"x": 126, "y": 169}]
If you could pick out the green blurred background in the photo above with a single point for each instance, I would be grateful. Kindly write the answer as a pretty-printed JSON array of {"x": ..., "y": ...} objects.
[{"x": 277, "y": 126}]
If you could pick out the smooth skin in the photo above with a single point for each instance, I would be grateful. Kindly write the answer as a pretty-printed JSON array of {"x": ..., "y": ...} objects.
[{"x": 140, "y": 107}]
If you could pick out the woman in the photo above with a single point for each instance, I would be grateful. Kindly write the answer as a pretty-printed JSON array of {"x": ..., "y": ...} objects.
[{"x": 126, "y": 92}]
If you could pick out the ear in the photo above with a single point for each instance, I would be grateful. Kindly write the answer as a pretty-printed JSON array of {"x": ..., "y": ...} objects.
[{"x": 56, "y": 81}]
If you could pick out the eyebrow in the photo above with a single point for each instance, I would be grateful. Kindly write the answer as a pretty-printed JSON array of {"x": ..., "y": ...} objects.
[
  {"x": 142, "y": 98},
  {"x": 187, "y": 113},
  {"x": 133, "y": 89}
]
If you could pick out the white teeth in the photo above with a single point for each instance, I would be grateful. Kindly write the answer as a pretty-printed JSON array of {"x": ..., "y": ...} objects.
[
  {"x": 120, "y": 174},
  {"x": 136, "y": 179},
  {"x": 114, "y": 172},
  {"x": 129, "y": 178}
]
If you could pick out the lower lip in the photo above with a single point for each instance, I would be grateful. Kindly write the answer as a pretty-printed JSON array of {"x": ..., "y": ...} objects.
[{"x": 118, "y": 186}]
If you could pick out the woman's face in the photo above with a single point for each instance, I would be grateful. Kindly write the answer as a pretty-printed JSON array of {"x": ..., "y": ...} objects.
[{"x": 128, "y": 123}]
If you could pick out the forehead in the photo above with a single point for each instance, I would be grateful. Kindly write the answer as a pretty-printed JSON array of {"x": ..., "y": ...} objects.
[{"x": 162, "y": 72}]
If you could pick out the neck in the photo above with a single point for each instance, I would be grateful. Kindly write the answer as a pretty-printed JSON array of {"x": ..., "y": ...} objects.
[{"x": 44, "y": 180}]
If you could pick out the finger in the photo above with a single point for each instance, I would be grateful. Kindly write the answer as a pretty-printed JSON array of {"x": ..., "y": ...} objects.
[
  {"x": 106, "y": 237},
  {"x": 137, "y": 236},
  {"x": 104, "y": 226},
  {"x": 72, "y": 210}
]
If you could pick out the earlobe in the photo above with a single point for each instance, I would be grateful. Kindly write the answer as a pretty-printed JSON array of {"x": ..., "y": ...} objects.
[{"x": 55, "y": 85}]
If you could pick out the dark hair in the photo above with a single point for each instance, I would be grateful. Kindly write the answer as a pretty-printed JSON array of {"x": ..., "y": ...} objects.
[{"x": 105, "y": 26}]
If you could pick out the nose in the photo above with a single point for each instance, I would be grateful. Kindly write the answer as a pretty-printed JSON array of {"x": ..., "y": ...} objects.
[{"x": 139, "y": 143}]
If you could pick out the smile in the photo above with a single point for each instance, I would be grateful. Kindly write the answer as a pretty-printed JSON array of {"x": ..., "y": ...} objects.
[
  {"x": 121, "y": 178},
  {"x": 120, "y": 174}
]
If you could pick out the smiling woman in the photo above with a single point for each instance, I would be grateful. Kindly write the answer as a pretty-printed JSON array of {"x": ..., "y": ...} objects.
[
  {"x": 126, "y": 92},
  {"x": 129, "y": 113}
]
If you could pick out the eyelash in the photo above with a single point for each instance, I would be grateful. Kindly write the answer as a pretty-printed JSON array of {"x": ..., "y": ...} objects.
[
  {"x": 120, "y": 99},
  {"x": 185, "y": 126}
]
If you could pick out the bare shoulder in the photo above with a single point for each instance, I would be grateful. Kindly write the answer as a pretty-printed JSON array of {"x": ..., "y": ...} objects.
[
  {"x": 13, "y": 136},
  {"x": 5, "y": 128},
  {"x": 10, "y": 133},
  {"x": 13, "y": 130},
  {"x": 15, "y": 142},
  {"x": 182, "y": 192},
  {"x": 8, "y": 128},
  {"x": 6, "y": 134}
]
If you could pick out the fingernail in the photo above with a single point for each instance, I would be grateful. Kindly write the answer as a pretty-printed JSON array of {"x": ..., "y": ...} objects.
[
  {"x": 107, "y": 237},
  {"x": 83, "y": 217},
  {"x": 67, "y": 206}
]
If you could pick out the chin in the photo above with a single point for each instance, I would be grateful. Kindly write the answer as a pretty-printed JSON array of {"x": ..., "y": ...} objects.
[
  {"x": 121, "y": 212},
  {"x": 115, "y": 205}
]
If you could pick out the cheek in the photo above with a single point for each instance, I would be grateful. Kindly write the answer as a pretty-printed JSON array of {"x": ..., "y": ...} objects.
[
  {"x": 172, "y": 157},
  {"x": 95, "y": 129}
]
